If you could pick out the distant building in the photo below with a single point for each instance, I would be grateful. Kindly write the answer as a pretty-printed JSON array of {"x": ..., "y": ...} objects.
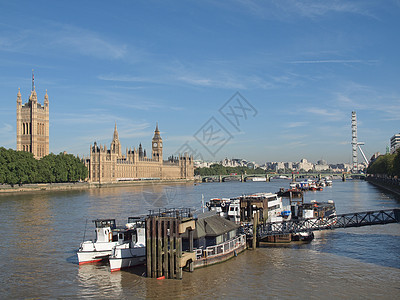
[
  {"x": 203, "y": 164},
  {"x": 339, "y": 168},
  {"x": 394, "y": 143},
  {"x": 234, "y": 162},
  {"x": 374, "y": 156},
  {"x": 305, "y": 165},
  {"x": 33, "y": 125},
  {"x": 109, "y": 165},
  {"x": 321, "y": 165},
  {"x": 289, "y": 165}
]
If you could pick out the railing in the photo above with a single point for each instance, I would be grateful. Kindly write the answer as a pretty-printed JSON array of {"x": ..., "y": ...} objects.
[
  {"x": 171, "y": 212},
  {"x": 339, "y": 221},
  {"x": 223, "y": 248}
]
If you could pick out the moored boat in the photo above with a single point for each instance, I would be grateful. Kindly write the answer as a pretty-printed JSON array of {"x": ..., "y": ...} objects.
[
  {"x": 292, "y": 192},
  {"x": 100, "y": 248},
  {"x": 130, "y": 252},
  {"x": 108, "y": 235},
  {"x": 215, "y": 239}
]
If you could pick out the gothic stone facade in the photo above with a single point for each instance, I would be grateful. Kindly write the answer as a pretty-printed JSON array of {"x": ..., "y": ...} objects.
[
  {"x": 33, "y": 125},
  {"x": 109, "y": 165}
]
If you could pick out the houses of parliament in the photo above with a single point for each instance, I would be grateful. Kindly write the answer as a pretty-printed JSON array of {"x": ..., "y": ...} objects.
[
  {"x": 109, "y": 165},
  {"x": 104, "y": 165}
]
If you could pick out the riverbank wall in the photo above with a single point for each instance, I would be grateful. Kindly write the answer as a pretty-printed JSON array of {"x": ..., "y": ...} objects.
[
  {"x": 389, "y": 184},
  {"x": 5, "y": 188}
]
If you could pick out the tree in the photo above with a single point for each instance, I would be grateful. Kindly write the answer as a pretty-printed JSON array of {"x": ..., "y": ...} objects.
[
  {"x": 18, "y": 167},
  {"x": 383, "y": 165},
  {"x": 396, "y": 163}
]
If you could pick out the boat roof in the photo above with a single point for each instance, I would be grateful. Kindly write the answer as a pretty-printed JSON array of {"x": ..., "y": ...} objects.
[{"x": 211, "y": 224}]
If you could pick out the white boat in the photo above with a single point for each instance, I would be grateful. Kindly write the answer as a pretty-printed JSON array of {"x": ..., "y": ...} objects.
[
  {"x": 100, "y": 248},
  {"x": 228, "y": 208},
  {"x": 131, "y": 252},
  {"x": 108, "y": 235},
  {"x": 257, "y": 179}
]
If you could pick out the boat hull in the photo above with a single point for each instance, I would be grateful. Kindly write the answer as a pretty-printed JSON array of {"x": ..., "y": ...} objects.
[
  {"x": 117, "y": 264},
  {"x": 125, "y": 257},
  {"x": 207, "y": 261},
  {"x": 87, "y": 257},
  {"x": 90, "y": 252}
]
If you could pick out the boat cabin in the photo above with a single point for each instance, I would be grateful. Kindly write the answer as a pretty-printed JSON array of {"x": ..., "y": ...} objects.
[
  {"x": 135, "y": 232},
  {"x": 107, "y": 231},
  {"x": 211, "y": 229},
  {"x": 313, "y": 209},
  {"x": 104, "y": 228},
  {"x": 226, "y": 207},
  {"x": 268, "y": 204}
]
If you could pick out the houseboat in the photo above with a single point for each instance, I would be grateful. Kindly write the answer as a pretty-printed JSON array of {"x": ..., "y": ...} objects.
[{"x": 215, "y": 239}]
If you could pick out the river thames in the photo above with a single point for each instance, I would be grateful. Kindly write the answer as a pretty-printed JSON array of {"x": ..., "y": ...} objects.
[{"x": 41, "y": 233}]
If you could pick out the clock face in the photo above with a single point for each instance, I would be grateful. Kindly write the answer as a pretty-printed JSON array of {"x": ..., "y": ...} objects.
[{"x": 154, "y": 144}]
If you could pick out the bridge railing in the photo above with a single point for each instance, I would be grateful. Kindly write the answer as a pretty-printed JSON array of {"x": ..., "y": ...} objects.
[{"x": 339, "y": 221}]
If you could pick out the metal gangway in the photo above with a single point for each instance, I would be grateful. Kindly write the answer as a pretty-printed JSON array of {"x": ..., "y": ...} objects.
[{"x": 358, "y": 219}]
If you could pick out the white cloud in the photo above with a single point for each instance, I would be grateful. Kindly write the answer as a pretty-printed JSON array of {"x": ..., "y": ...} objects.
[
  {"x": 288, "y": 9},
  {"x": 335, "y": 61},
  {"x": 88, "y": 43},
  {"x": 295, "y": 124},
  {"x": 333, "y": 113},
  {"x": 62, "y": 38}
]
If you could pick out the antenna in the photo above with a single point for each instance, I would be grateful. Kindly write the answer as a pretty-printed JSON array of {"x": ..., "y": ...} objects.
[{"x": 33, "y": 81}]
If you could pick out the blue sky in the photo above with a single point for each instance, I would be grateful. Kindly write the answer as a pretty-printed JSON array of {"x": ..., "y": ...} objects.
[{"x": 300, "y": 68}]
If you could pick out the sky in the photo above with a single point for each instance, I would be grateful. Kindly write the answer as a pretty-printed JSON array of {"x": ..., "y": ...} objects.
[{"x": 258, "y": 80}]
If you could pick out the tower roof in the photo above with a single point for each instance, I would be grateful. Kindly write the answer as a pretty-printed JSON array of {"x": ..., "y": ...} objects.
[
  {"x": 115, "y": 132},
  {"x": 19, "y": 99},
  {"x": 46, "y": 97},
  {"x": 157, "y": 135},
  {"x": 33, "y": 96}
]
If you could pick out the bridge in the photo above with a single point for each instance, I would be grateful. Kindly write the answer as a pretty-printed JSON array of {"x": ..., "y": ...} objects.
[
  {"x": 348, "y": 220},
  {"x": 244, "y": 177}
]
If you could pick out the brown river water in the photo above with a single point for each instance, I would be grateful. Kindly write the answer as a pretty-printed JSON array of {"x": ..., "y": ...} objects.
[{"x": 41, "y": 233}]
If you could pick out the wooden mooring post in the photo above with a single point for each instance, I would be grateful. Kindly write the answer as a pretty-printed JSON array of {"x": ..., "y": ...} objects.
[
  {"x": 164, "y": 255},
  {"x": 255, "y": 225}
]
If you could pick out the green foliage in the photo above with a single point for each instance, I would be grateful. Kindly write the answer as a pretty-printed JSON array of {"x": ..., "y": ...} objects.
[
  {"x": 217, "y": 169},
  {"x": 388, "y": 164},
  {"x": 396, "y": 164},
  {"x": 18, "y": 167}
]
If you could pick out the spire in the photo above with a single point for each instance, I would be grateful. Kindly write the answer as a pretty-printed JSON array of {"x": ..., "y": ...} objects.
[
  {"x": 19, "y": 99},
  {"x": 33, "y": 81},
  {"x": 46, "y": 97},
  {"x": 140, "y": 150},
  {"x": 115, "y": 132},
  {"x": 157, "y": 135}
]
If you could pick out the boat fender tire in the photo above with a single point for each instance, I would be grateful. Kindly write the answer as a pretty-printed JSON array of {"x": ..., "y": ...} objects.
[
  {"x": 223, "y": 204},
  {"x": 208, "y": 204}
]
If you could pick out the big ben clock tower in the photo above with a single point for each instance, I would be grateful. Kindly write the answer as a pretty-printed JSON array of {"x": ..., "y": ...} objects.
[{"x": 157, "y": 145}]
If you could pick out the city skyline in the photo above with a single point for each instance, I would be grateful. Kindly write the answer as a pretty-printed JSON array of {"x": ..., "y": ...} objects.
[{"x": 279, "y": 80}]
